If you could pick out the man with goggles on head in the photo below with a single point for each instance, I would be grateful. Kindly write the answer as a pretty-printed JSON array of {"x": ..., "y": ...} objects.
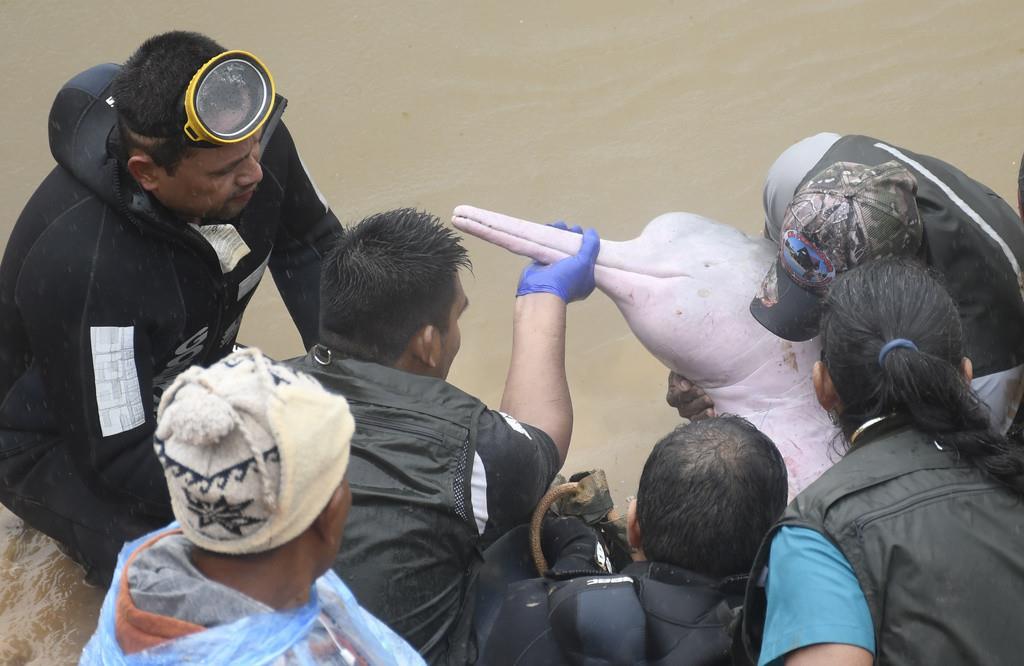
[{"x": 175, "y": 188}]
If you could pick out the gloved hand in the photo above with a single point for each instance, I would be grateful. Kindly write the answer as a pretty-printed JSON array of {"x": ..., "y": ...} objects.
[
  {"x": 572, "y": 278},
  {"x": 573, "y": 548}
]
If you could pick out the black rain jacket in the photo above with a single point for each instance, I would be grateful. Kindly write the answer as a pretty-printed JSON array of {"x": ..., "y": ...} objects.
[{"x": 106, "y": 296}]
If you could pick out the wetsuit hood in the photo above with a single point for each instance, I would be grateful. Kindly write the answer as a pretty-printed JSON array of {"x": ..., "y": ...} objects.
[
  {"x": 82, "y": 119},
  {"x": 84, "y": 140}
]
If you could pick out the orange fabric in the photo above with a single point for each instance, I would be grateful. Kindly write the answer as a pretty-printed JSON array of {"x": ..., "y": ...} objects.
[{"x": 137, "y": 630}]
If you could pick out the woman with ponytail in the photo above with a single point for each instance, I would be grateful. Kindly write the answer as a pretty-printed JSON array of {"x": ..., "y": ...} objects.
[{"x": 910, "y": 550}]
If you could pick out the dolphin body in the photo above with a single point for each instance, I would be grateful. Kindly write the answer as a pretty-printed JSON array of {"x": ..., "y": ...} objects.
[{"x": 684, "y": 286}]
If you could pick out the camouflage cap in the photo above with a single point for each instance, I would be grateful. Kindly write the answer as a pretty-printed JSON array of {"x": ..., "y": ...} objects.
[{"x": 842, "y": 217}]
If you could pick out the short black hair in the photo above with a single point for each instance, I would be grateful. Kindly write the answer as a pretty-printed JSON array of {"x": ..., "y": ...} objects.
[
  {"x": 149, "y": 94},
  {"x": 709, "y": 492},
  {"x": 385, "y": 279}
]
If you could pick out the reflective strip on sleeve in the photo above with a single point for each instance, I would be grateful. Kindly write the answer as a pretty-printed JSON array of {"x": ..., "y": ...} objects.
[
  {"x": 319, "y": 194},
  {"x": 478, "y": 493},
  {"x": 251, "y": 280},
  {"x": 515, "y": 425}
]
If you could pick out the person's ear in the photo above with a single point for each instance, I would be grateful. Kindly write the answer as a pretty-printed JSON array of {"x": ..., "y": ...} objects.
[
  {"x": 329, "y": 525},
  {"x": 967, "y": 369},
  {"x": 426, "y": 347},
  {"x": 144, "y": 170},
  {"x": 824, "y": 389},
  {"x": 422, "y": 354},
  {"x": 633, "y": 534}
]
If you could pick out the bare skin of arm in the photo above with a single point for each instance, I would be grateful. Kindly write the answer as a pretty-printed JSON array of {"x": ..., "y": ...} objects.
[
  {"x": 829, "y": 654},
  {"x": 536, "y": 389}
]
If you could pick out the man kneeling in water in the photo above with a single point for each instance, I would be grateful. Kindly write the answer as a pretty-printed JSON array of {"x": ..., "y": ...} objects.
[
  {"x": 255, "y": 457},
  {"x": 708, "y": 493}
]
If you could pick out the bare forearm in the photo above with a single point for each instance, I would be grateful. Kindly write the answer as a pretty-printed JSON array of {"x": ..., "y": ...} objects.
[
  {"x": 830, "y": 654},
  {"x": 536, "y": 390}
]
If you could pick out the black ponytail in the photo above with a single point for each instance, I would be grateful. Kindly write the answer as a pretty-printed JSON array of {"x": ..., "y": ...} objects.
[{"x": 889, "y": 299}]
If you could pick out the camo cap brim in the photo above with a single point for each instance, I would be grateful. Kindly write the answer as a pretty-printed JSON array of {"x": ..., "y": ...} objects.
[{"x": 841, "y": 218}]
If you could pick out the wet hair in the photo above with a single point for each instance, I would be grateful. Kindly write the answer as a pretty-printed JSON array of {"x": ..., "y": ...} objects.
[
  {"x": 149, "y": 94},
  {"x": 709, "y": 492},
  {"x": 384, "y": 280},
  {"x": 888, "y": 299},
  {"x": 1020, "y": 185}
]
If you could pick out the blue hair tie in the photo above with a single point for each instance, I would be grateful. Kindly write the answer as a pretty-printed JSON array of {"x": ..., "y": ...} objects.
[{"x": 893, "y": 344}]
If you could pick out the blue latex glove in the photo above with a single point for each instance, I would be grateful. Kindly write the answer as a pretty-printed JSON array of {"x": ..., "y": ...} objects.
[{"x": 572, "y": 278}]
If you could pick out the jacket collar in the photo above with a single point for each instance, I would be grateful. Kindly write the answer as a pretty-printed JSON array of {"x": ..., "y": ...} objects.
[{"x": 137, "y": 630}]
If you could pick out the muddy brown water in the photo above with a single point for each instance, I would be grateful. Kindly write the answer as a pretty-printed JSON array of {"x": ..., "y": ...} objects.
[{"x": 601, "y": 113}]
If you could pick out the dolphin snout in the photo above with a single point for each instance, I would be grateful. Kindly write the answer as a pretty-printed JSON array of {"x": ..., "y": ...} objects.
[{"x": 537, "y": 241}]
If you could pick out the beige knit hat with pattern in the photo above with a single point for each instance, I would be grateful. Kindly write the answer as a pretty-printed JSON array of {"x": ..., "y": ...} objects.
[{"x": 251, "y": 450}]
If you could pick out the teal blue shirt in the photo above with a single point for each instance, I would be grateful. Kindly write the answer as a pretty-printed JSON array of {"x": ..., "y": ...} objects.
[{"x": 813, "y": 597}]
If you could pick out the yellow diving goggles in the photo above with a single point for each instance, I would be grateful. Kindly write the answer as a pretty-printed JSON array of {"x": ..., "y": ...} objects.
[{"x": 230, "y": 99}]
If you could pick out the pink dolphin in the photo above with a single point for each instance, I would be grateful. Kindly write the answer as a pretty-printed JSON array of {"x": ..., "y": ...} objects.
[{"x": 684, "y": 286}]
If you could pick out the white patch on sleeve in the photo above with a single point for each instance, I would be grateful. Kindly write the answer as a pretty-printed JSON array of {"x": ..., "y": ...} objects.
[
  {"x": 515, "y": 425},
  {"x": 478, "y": 493},
  {"x": 118, "y": 399}
]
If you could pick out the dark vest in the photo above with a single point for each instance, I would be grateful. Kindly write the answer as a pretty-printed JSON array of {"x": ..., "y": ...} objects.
[
  {"x": 409, "y": 551},
  {"x": 652, "y": 613},
  {"x": 938, "y": 550},
  {"x": 981, "y": 279}
]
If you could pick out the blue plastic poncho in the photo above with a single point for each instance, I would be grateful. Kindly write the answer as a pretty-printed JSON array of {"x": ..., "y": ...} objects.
[{"x": 332, "y": 628}]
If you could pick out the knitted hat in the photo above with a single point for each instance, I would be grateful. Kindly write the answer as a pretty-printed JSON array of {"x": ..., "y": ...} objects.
[{"x": 251, "y": 450}]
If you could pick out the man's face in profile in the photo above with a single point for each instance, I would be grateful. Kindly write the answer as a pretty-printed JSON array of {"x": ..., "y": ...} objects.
[{"x": 211, "y": 183}]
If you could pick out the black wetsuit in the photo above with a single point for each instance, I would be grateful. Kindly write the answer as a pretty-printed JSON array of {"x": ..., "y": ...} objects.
[
  {"x": 105, "y": 296},
  {"x": 652, "y": 613}
]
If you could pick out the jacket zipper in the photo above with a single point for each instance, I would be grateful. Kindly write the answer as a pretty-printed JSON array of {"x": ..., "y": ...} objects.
[
  {"x": 385, "y": 425},
  {"x": 188, "y": 238},
  {"x": 191, "y": 240}
]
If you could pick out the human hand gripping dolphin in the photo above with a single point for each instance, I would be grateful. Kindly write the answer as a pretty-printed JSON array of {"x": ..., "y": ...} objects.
[
  {"x": 684, "y": 287},
  {"x": 689, "y": 399}
]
